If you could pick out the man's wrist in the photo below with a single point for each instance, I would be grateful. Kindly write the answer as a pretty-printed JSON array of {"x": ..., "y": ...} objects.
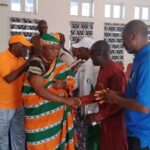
[
  {"x": 77, "y": 102},
  {"x": 118, "y": 99}
]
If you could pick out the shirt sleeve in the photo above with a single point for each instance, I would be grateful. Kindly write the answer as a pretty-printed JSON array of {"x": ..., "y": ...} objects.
[
  {"x": 64, "y": 73},
  {"x": 35, "y": 68},
  {"x": 143, "y": 83},
  {"x": 4, "y": 70}
]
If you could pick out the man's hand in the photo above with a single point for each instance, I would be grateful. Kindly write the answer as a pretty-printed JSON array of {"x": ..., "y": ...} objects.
[
  {"x": 60, "y": 84},
  {"x": 100, "y": 96},
  {"x": 73, "y": 101},
  {"x": 107, "y": 95},
  {"x": 70, "y": 101},
  {"x": 111, "y": 96}
]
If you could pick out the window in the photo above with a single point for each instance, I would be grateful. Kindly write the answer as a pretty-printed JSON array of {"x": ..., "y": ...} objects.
[
  {"x": 29, "y": 6},
  {"x": 24, "y": 5},
  {"x": 85, "y": 9},
  {"x": 81, "y": 8},
  {"x": 145, "y": 13},
  {"x": 116, "y": 11},
  {"x": 16, "y": 5},
  {"x": 142, "y": 13},
  {"x": 107, "y": 11},
  {"x": 137, "y": 13},
  {"x": 74, "y": 7}
]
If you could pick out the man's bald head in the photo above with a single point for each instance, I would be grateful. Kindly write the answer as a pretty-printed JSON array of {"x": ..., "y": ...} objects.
[
  {"x": 42, "y": 27},
  {"x": 41, "y": 22},
  {"x": 135, "y": 36},
  {"x": 137, "y": 27}
]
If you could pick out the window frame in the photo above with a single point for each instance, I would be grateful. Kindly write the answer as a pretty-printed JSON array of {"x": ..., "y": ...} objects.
[
  {"x": 140, "y": 12},
  {"x": 147, "y": 13},
  {"x": 80, "y": 2},
  {"x": 122, "y": 10},
  {"x": 77, "y": 8},
  {"x": 23, "y": 5}
]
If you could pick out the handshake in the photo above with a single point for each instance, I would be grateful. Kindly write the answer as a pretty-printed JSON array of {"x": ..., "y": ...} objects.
[
  {"x": 102, "y": 96},
  {"x": 108, "y": 96},
  {"x": 73, "y": 101}
]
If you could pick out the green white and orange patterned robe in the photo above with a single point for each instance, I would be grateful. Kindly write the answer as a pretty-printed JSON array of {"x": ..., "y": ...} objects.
[{"x": 50, "y": 125}]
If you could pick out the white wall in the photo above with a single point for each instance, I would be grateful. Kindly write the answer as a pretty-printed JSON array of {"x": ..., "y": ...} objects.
[
  {"x": 57, "y": 15},
  {"x": 4, "y": 27}
]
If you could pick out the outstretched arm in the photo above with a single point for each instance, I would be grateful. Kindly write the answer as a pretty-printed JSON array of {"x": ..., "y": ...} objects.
[
  {"x": 129, "y": 103},
  {"x": 37, "y": 83}
]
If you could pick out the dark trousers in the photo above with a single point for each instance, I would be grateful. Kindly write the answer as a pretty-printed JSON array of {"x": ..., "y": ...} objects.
[
  {"x": 93, "y": 137},
  {"x": 134, "y": 144}
]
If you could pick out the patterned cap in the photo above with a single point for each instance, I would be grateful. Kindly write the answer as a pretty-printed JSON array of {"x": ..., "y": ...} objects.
[
  {"x": 49, "y": 39},
  {"x": 57, "y": 35}
]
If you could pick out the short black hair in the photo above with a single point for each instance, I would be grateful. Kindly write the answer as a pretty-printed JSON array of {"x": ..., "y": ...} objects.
[
  {"x": 136, "y": 26},
  {"x": 41, "y": 22},
  {"x": 100, "y": 47}
]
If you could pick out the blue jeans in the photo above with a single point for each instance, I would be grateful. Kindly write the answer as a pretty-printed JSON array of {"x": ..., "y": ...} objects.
[{"x": 12, "y": 132}]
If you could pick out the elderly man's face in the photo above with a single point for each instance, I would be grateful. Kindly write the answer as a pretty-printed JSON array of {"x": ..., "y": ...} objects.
[
  {"x": 76, "y": 53},
  {"x": 50, "y": 52},
  {"x": 20, "y": 50},
  {"x": 128, "y": 42},
  {"x": 81, "y": 53}
]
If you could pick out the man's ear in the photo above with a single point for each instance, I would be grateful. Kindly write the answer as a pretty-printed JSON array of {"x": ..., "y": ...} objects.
[
  {"x": 133, "y": 36},
  {"x": 13, "y": 46}
]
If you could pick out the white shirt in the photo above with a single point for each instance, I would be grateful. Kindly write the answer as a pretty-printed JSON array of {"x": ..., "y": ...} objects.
[{"x": 86, "y": 78}]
